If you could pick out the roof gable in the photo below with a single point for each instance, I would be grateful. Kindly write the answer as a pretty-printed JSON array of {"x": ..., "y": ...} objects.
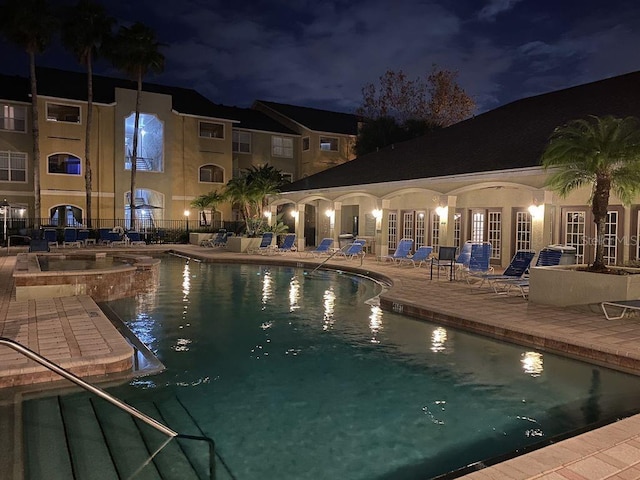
[
  {"x": 510, "y": 137},
  {"x": 315, "y": 119}
]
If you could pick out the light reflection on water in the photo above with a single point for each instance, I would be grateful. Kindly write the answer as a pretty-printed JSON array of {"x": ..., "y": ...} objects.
[{"x": 337, "y": 378}]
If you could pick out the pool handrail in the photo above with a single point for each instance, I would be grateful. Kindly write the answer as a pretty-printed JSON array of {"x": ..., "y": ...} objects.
[{"x": 36, "y": 357}]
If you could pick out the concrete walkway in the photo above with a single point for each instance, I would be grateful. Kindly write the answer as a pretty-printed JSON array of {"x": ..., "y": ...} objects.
[{"x": 72, "y": 329}]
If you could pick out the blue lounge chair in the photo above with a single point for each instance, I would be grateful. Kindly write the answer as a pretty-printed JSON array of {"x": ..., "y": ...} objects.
[
  {"x": 323, "y": 248},
  {"x": 51, "y": 236},
  {"x": 265, "y": 243},
  {"x": 417, "y": 259},
  {"x": 515, "y": 271},
  {"x": 353, "y": 250},
  {"x": 70, "y": 238},
  {"x": 462, "y": 262},
  {"x": 288, "y": 244},
  {"x": 83, "y": 236},
  {"x": 403, "y": 250},
  {"x": 479, "y": 261},
  {"x": 135, "y": 238},
  {"x": 548, "y": 257},
  {"x": 446, "y": 259}
]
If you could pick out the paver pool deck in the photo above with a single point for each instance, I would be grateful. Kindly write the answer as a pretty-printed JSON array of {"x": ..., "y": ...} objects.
[{"x": 610, "y": 452}]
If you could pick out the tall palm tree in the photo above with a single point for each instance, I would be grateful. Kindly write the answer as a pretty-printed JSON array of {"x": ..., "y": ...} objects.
[
  {"x": 85, "y": 27},
  {"x": 30, "y": 24},
  {"x": 264, "y": 180},
  {"x": 239, "y": 192},
  {"x": 601, "y": 152},
  {"x": 136, "y": 52}
]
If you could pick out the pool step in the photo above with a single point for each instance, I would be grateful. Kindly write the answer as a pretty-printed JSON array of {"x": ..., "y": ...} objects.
[{"x": 78, "y": 437}]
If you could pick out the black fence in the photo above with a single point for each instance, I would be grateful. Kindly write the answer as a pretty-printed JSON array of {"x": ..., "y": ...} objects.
[{"x": 21, "y": 230}]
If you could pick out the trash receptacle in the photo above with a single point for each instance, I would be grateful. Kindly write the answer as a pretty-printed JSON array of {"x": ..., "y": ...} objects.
[
  {"x": 345, "y": 239},
  {"x": 568, "y": 256}
]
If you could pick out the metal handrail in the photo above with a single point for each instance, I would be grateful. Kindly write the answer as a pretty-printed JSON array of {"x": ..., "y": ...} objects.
[{"x": 87, "y": 386}]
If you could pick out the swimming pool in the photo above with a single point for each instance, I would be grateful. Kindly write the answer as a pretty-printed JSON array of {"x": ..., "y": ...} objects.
[{"x": 295, "y": 376}]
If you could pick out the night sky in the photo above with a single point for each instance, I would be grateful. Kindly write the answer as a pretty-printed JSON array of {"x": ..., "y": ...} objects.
[{"x": 321, "y": 53}]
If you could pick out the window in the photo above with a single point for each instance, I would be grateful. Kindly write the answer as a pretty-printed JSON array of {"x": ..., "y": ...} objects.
[
  {"x": 286, "y": 177},
  {"x": 392, "y": 232},
  {"x": 211, "y": 130},
  {"x": 329, "y": 144},
  {"x": 13, "y": 167},
  {"x": 241, "y": 142},
  {"x": 435, "y": 231},
  {"x": 282, "y": 147},
  {"x": 63, "y": 113},
  {"x": 64, "y": 163},
  {"x": 305, "y": 144},
  {"x": 150, "y": 148},
  {"x": 407, "y": 224},
  {"x": 13, "y": 118},
  {"x": 611, "y": 238},
  {"x": 420, "y": 229},
  {"x": 523, "y": 231},
  {"x": 494, "y": 233},
  {"x": 211, "y": 174},
  {"x": 574, "y": 228}
]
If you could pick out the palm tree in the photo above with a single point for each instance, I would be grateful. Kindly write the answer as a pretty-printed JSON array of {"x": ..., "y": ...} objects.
[
  {"x": 136, "y": 52},
  {"x": 30, "y": 24},
  {"x": 601, "y": 152},
  {"x": 264, "y": 180},
  {"x": 239, "y": 192},
  {"x": 206, "y": 201},
  {"x": 85, "y": 28}
]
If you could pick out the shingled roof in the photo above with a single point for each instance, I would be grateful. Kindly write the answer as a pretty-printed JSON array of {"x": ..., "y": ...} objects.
[
  {"x": 315, "y": 119},
  {"x": 510, "y": 137},
  {"x": 14, "y": 88},
  {"x": 73, "y": 86}
]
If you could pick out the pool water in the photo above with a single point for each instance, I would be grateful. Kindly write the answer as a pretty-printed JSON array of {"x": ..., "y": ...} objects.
[{"x": 296, "y": 376}]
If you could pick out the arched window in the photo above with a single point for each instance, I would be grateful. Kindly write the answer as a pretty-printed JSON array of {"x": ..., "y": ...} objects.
[
  {"x": 211, "y": 174},
  {"x": 150, "y": 148},
  {"x": 65, "y": 216},
  {"x": 64, "y": 163},
  {"x": 149, "y": 206}
]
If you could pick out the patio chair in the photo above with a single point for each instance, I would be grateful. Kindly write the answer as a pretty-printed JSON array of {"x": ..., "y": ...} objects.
[
  {"x": 70, "y": 238},
  {"x": 83, "y": 237},
  {"x": 135, "y": 239},
  {"x": 622, "y": 307},
  {"x": 352, "y": 250},
  {"x": 548, "y": 257},
  {"x": 403, "y": 250},
  {"x": 417, "y": 259},
  {"x": 479, "y": 261},
  {"x": 265, "y": 244},
  {"x": 446, "y": 259},
  {"x": 462, "y": 261},
  {"x": 51, "y": 236},
  {"x": 323, "y": 248},
  {"x": 223, "y": 241},
  {"x": 516, "y": 270},
  {"x": 288, "y": 244},
  {"x": 214, "y": 240}
]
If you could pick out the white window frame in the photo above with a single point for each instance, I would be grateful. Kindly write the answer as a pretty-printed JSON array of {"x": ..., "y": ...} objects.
[
  {"x": 327, "y": 142},
  {"x": 523, "y": 230},
  {"x": 237, "y": 141},
  {"x": 68, "y": 105},
  {"x": 217, "y": 124},
  {"x": 420, "y": 228},
  {"x": 407, "y": 224},
  {"x": 392, "y": 230},
  {"x": 612, "y": 224},
  {"x": 9, "y": 117},
  {"x": 494, "y": 233},
  {"x": 10, "y": 169},
  {"x": 575, "y": 223},
  {"x": 279, "y": 147},
  {"x": 435, "y": 231}
]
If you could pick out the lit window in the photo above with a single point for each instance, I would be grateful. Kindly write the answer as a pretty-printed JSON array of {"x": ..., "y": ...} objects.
[
  {"x": 13, "y": 118},
  {"x": 282, "y": 147},
  {"x": 150, "y": 148},
  {"x": 64, "y": 163},
  {"x": 241, "y": 142},
  {"x": 211, "y": 174},
  {"x": 63, "y": 113},
  {"x": 13, "y": 167},
  {"x": 306, "y": 144},
  {"x": 329, "y": 144},
  {"x": 211, "y": 130}
]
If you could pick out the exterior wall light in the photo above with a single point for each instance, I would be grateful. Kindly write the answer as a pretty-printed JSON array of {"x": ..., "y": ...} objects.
[
  {"x": 377, "y": 213},
  {"x": 536, "y": 211},
  {"x": 442, "y": 211}
]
